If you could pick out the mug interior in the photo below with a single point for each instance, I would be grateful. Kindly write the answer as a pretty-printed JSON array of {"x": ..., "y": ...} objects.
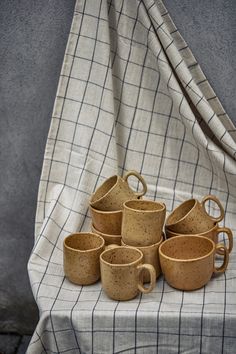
[
  {"x": 187, "y": 248},
  {"x": 104, "y": 188},
  {"x": 84, "y": 242},
  {"x": 144, "y": 205},
  {"x": 181, "y": 211},
  {"x": 121, "y": 256}
]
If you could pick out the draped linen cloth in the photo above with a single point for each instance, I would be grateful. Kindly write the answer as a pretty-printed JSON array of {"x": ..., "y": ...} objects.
[{"x": 131, "y": 96}]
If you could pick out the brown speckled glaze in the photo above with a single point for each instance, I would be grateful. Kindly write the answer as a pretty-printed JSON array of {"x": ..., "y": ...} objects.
[
  {"x": 122, "y": 273},
  {"x": 108, "y": 222},
  {"x": 81, "y": 253},
  {"x": 213, "y": 234},
  {"x": 190, "y": 217},
  {"x": 188, "y": 262},
  {"x": 109, "y": 239},
  {"x": 151, "y": 256},
  {"x": 115, "y": 191},
  {"x": 142, "y": 222}
]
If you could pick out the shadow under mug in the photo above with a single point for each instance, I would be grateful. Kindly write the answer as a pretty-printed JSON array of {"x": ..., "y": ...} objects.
[
  {"x": 191, "y": 217},
  {"x": 213, "y": 234},
  {"x": 188, "y": 263},
  {"x": 142, "y": 222},
  {"x": 115, "y": 191},
  {"x": 121, "y": 273},
  {"x": 81, "y": 253}
]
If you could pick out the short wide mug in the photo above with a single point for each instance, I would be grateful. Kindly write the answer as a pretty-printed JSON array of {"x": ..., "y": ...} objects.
[
  {"x": 188, "y": 263},
  {"x": 122, "y": 273},
  {"x": 81, "y": 253},
  {"x": 142, "y": 222},
  {"x": 191, "y": 217},
  {"x": 115, "y": 191},
  {"x": 213, "y": 234}
]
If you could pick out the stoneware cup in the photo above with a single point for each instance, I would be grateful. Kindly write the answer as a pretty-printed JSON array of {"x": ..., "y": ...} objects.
[
  {"x": 142, "y": 222},
  {"x": 192, "y": 217},
  {"x": 213, "y": 234},
  {"x": 189, "y": 262},
  {"x": 151, "y": 256},
  {"x": 81, "y": 253},
  {"x": 115, "y": 191},
  {"x": 122, "y": 273},
  {"x": 108, "y": 222},
  {"x": 109, "y": 239}
]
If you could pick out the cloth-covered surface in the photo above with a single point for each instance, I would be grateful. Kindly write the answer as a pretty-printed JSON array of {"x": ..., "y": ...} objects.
[{"x": 131, "y": 96}]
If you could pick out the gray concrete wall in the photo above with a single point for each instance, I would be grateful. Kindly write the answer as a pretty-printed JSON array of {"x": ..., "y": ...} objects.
[{"x": 32, "y": 43}]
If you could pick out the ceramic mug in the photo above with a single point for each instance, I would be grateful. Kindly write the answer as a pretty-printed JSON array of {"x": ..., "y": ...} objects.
[
  {"x": 81, "y": 253},
  {"x": 115, "y": 191},
  {"x": 122, "y": 273},
  {"x": 108, "y": 222},
  {"x": 213, "y": 234},
  {"x": 109, "y": 239},
  {"x": 191, "y": 217},
  {"x": 142, "y": 222},
  {"x": 151, "y": 256},
  {"x": 188, "y": 262}
]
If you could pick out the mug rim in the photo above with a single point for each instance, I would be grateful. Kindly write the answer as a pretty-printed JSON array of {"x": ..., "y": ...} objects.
[
  {"x": 190, "y": 259},
  {"x": 121, "y": 264},
  {"x": 179, "y": 207},
  {"x": 83, "y": 251},
  {"x": 144, "y": 201},
  {"x": 106, "y": 212},
  {"x": 214, "y": 228},
  {"x": 145, "y": 247},
  {"x": 100, "y": 233},
  {"x": 100, "y": 187}
]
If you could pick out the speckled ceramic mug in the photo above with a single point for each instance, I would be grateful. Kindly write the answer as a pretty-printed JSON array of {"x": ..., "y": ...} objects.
[
  {"x": 188, "y": 263},
  {"x": 107, "y": 222},
  {"x": 109, "y": 239},
  {"x": 213, "y": 234},
  {"x": 142, "y": 222},
  {"x": 115, "y": 191},
  {"x": 151, "y": 256},
  {"x": 81, "y": 253},
  {"x": 191, "y": 217},
  {"x": 122, "y": 273}
]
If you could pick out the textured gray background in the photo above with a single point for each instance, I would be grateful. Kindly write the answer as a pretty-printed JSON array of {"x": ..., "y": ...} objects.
[{"x": 32, "y": 43}]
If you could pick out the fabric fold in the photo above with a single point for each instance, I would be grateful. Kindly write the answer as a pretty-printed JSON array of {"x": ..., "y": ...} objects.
[{"x": 131, "y": 96}]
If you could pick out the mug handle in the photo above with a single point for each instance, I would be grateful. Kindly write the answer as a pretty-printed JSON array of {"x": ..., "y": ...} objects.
[
  {"x": 230, "y": 238},
  {"x": 216, "y": 200},
  {"x": 140, "y": 178},
  {"x": 220, "y": 247},
  {"x": 152, "y": 273}
]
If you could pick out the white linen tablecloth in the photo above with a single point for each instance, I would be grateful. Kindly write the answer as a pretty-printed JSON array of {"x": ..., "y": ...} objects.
[{"x": 131, "y": 96}]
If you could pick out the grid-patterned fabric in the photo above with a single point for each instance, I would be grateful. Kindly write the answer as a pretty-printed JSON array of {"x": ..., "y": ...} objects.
[{"x": 131, "y": 96}]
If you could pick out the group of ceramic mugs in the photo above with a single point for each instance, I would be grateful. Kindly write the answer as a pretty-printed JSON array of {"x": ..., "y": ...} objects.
[{"x": 127, "y": 248}]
